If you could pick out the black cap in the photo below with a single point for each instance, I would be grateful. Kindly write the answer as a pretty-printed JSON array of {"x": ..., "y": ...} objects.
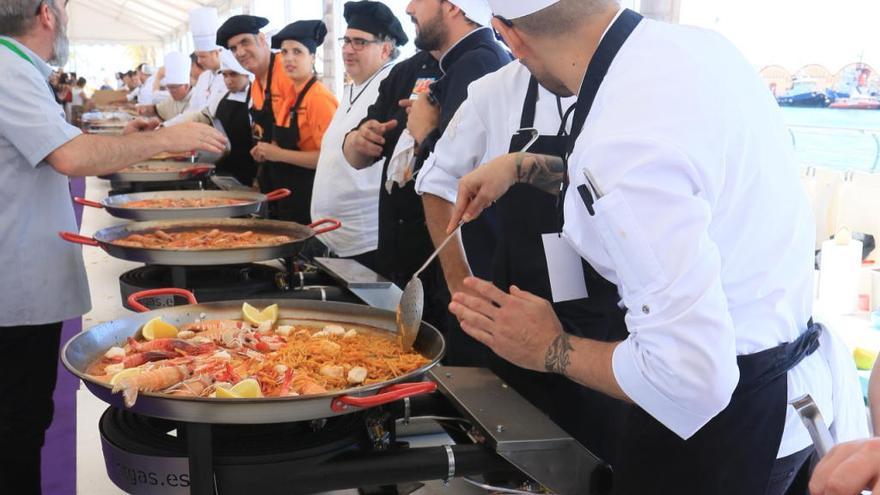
[
  {"x": 309, "y": 33},
  {"x": 375, "y": 18},
  {"x": 239, "y": 24}
]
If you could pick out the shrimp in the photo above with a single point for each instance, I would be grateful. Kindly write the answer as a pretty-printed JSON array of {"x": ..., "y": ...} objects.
[
  {"x": 137, "y": 359},
  {"x": 206, "y": 328},
  {"x": 151, "y": 381},
  {"x": 304, "y": 385},
  {"x": 169, "y": 345},
  {"x": 194, "y": 387}
]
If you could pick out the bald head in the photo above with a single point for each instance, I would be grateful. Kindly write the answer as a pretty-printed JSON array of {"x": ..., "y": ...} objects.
[{"x": 563, "y": 17}]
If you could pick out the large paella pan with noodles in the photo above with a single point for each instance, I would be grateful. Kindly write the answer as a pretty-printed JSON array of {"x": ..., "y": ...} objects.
[
  {"x": 168, "y": 205},
  {"x": 199, "y": 242},
  {"x": 160, "y": 171},
  {"x": 266, "y": 362}
]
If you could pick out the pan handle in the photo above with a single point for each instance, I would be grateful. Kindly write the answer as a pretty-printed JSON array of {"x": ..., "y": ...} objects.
[
  {"x": 133, "y": 300},
  {"x": 86, "y": 202},
  {"x": 385, "y": 396},
  {"x": 78, "y": 239},
  {"x": 278, "y": 194},
  {"x": 195, "y": 171},
  {"x": 334, "y": 224}
]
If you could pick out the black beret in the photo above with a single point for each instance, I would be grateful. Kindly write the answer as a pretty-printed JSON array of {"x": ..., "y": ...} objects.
[
  {"x": 375, "y": 18},
  {"x": 239, "y": 24},
  {"x": 309, "y": 33}
]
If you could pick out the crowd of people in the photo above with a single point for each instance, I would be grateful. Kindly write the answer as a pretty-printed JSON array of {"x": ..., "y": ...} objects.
[{"x": 634, "y": 255}]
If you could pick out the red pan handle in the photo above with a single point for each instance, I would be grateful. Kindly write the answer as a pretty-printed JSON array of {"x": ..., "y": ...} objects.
[
  {"x": 195, "y": 171},
  {"x": 133, "y": 300},
  {"x": 385, "y": 396},
  {"x": 334, "y": 224},
  {"x": 278, "y": 194},
  {"x": 78, "y": 239},
  {"x": 86, "y": 202}
]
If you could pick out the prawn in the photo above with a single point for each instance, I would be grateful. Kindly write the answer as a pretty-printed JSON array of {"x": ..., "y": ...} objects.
[{"x": 151, "y": 381}]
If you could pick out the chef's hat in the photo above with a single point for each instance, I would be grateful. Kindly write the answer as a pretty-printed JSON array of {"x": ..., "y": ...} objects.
[
  {"x": 476, "y": 10},
  {"x": 228, "y": 62},
  {"x": 203, "y": 23},
  {"x": 177, "y": 68},
  {"x": 520, "y": 8}
]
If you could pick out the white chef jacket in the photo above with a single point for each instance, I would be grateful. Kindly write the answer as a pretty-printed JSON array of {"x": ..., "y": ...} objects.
[
  {"x": 342, "y": 192},
  {"x": 210, "y": 83},
  {"x": 145, "y": 92},
  {"x": 482, "y": 128},
  {"x": 701, "y": 222},
  {"x": 209, "y": 86}
]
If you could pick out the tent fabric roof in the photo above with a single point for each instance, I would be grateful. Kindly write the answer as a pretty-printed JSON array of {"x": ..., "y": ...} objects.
[{"x": 131, "y": 21}]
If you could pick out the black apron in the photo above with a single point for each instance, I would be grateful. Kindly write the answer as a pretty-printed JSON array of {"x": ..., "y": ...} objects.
[
  {"x": 525, "y": 213},
  {"x": 239, "y": 163},
  {"x": 734, "y": 453},
  {"x": 276, "y": 175}
]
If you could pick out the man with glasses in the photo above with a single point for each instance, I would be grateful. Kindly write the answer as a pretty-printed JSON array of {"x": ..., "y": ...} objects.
[
  {"x": 369, "y": 48},
  {"x": 456, "y": 33},
  {"x": 43, "y": 277}
]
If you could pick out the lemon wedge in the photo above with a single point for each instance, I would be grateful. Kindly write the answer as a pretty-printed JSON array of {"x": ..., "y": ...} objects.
[
  {"x": 123, "y": 374},
  {"x": 256, "y": 317},
  {"x": 864, "y": 358},
  {"x": 158, "y": 329},
  {"x": 245, "y": 389}
]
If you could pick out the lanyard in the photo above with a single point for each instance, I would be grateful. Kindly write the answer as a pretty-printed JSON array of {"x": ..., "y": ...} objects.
[
  {"x": 351, "y": 101},
  {"x": 598, "y": 68},
  {"x": 16, "y": 50}
]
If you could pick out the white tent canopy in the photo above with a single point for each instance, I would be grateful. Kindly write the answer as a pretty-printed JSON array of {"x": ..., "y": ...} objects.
[{"x": 145, "y": 22}]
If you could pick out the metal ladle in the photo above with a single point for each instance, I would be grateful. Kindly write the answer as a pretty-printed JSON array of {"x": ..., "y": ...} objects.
[{"x": 412, "y": 301}]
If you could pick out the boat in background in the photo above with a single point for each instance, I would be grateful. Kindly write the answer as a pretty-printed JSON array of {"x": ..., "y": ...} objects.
[
  {"x": 804, "y": 93},
  {"x": 857, "y": 101}
]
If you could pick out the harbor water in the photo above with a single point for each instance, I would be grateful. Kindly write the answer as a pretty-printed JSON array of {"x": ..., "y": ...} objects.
[{"x": 832, "y": 138}]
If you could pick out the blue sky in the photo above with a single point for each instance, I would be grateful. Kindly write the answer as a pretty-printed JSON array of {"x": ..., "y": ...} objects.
[{"x": 794, "y": 33}]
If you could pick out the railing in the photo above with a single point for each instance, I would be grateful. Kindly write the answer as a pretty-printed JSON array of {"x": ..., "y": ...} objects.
[{"x": 839, "y": 147}]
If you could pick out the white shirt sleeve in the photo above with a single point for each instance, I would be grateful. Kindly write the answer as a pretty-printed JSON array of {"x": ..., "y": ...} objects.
[
  {"x": 650, "y": 232},
  {"x": 460, "y": 150}
]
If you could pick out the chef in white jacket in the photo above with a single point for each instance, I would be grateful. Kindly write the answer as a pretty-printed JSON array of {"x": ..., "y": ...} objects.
[
  {"x": 692, "y": 206},
  {"x": 369, "y": 48},
  {"x": 203, "y": 22}
]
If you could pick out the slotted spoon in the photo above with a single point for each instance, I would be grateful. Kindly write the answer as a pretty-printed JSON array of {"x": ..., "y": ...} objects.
[{"x": 412, "y": 301}]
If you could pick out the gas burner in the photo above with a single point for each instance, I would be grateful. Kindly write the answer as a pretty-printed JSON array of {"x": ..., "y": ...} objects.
[
  {"x": 494, "y": 434},
  {"x": 307, "y": 440},
  {"x": 208, "y": 283}
]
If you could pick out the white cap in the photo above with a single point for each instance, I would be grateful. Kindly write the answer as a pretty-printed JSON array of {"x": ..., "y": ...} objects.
[
  {"x": 203, "y": 22},
  {"x": 520, "y": 8},
  {"x": 476, "y": 10},
  {"x": 177, "y": 66},
  {"x": 148, "y": 69},
  {"x": 228, "y": 62}
]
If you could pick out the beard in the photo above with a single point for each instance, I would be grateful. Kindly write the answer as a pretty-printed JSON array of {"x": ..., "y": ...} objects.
[
  {"x": 61, "y": 45},
  {"x": 432, "y": 34}
]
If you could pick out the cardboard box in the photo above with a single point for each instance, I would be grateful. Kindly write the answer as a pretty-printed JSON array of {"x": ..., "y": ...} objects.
[{"x": 107, "y": 97}]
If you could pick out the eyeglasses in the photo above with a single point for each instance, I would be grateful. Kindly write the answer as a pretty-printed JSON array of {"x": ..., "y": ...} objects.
[{"x": 357, "y": 44}]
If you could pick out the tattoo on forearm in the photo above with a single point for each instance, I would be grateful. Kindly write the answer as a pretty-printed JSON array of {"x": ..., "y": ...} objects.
[
  {"x": 558, "y": 356},
  {"x": 542, "y": 171}
]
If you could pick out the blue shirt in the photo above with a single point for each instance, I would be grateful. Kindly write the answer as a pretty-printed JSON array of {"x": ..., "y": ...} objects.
[{"x": 42, "y": 277}]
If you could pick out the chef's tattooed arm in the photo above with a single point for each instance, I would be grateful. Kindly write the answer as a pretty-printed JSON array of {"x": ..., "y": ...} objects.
[
  {"x": 542, "y": 171},
  {"x": 558, "y": 356}
]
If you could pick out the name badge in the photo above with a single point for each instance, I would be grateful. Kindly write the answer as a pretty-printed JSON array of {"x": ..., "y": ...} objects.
[{"x": 567, "y": 281}]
